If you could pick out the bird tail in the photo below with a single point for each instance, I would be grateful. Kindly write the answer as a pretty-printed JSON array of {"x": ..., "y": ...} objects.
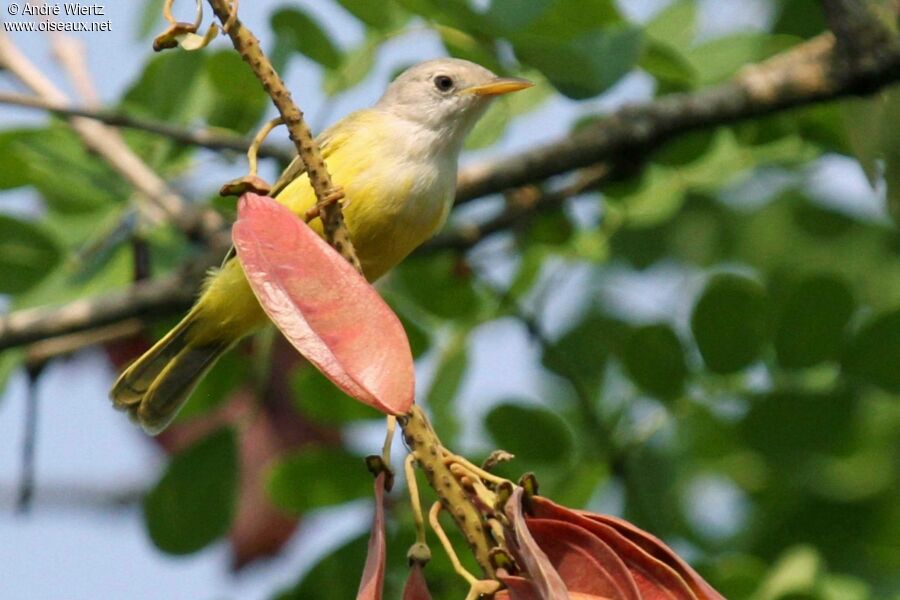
[{"x": 155, "y": 387}]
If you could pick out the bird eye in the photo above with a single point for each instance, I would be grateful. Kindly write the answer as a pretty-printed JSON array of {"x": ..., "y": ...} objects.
[{"x": 443, "y": 83}]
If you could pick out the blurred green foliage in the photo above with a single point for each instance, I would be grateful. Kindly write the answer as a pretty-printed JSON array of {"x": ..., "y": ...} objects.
[
  {"x": 774, "y": 373},
  {"x": 194, "y": 501}
]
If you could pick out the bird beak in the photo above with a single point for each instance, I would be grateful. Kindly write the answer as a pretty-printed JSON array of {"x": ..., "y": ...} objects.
[{"x": 499, "y": 86}]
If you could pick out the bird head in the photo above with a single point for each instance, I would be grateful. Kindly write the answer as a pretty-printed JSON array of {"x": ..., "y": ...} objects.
[{"x": 446, "y": 95}]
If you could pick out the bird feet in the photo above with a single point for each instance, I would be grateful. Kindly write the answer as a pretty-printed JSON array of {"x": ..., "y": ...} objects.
[{"x": 336, "y": 194}]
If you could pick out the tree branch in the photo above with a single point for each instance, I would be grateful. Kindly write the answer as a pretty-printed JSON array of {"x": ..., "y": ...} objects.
[
  {"x": 522, "y": 204},
  {"x": 808, "y": 73},
  {"x": 805, "y": 74},
  {"x": 108, "y": 144},
  {"x": 205, "y": 138},
  {"x": 151, "y": 298},
  {"x": 328, "y": 196},
  {"x": 76, "y": 496},
  {"x": 858, "y": 31}
]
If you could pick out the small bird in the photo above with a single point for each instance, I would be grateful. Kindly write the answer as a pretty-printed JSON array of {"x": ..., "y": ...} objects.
[{"x": 397, "y": 164}]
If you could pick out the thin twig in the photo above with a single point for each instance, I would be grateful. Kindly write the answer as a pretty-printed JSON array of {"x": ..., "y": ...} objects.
[
  {"x": 800, "y": 76},
  {"x": 804, "y": 74},
  {"x": 535, "y": 202},
  {"x": 65, "y": 345},
  {"x": 205, "y": 138},
  {"x": 154, "y": 298},
  {"x": 797, "y": 77},
  {"x": 591, "y": 419},
  {"x": 430, "y": 454},
  {"x": 69, "y": 53},
  {"x": 857, "y": 29},
  {"x": 29, "y": 441},
  {"x": 75, "y": 496},
  {"x": 327, "y": 194},
  {"x": 108, "y": 144}
]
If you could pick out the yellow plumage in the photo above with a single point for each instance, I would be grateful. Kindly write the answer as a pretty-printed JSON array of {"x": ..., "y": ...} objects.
[
  {"x": 397, "y": 165},
  {"x": 386, "y": 221}
]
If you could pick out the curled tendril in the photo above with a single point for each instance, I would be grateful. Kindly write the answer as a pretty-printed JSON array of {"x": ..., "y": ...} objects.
[{"x": 185, "y": 34}]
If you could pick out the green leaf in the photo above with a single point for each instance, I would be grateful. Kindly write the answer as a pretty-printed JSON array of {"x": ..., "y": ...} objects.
[
  {"x": 13, "y": 170},
  {"x": 794, "y": 575},
  {"x": 319, "y": 399},
  {"x": 640, "y": 246},
  {"x": 530, "y": 432},
  {"x": 445, "y": 386},
  {"x": 62, "y": 284},
  {"x": 573, "y": 486},
  {"x": 818, "y": 221},
  {"x": 330, "y": 578},
  {"x": 509, "y": 16},
  {"x": 454, "y": 13},
  {"x": 675, "y": 25},
  {"x": 353, "y": 68},
  {"x": 844, "y": 587},
  {"x": 170, "y": 87},
  {"x": 891, "y": 150},
  {"x": 864, "y": 118},
  {"x": 435, "y": 284},
  {"x": 551, "y": 228},
  {"x": 651, "y": 480},
  {"x": 419, "y": 338},
  {"x": 379, "y": 15},
  {"x": 730, "y": 322},
  {"x": 27, "y": 254},
  {"x": 238, "y": 101},
  {"x": 802, "y": 18},
  {"x": 520, "y": 104},
  {"x": 790, "y": 427},
  {"x": 10, "y": 360},
  {"x": 532, "y": 260},
  {"x": 654, "y": 196},
  {"x": 296, "y": 31},
  {"x": 825, "y": 126},
  {"x": 667, "y": 65},
  {"x": 584, "y": 66},
  {"x": 721, "y": 58},
  {"x": 317, "y": 477},
  {"x": 685, "y": 148},
  {"x": 702, "y": 232},
  {"x": 69, "y": 178},
  {"x": 654, "y": 358},
  {"x": 98, "y": 247},
  {"x": 738, "y": 575},
  {"x": 194, "y": 502},
  {"x": 569, "y": 19},
  {"x": 811, "y": 326},
  {"x": 490, "y": 127},
  {"x": 581, "y": 353},
  {"x": 875, "y": 142},
  {"x": 460, "y": 44},
  {"x": 873, "y": 353}
]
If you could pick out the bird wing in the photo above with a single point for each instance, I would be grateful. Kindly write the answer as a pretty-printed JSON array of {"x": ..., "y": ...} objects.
[{"x": 327, "y": 145}]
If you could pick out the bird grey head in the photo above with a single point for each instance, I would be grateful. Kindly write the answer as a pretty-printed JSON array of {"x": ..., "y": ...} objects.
[{"x": 446, "y": 94}]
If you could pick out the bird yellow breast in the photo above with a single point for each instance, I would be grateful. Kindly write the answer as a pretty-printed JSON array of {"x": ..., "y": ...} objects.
[{"x": 397, "y": 198}]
